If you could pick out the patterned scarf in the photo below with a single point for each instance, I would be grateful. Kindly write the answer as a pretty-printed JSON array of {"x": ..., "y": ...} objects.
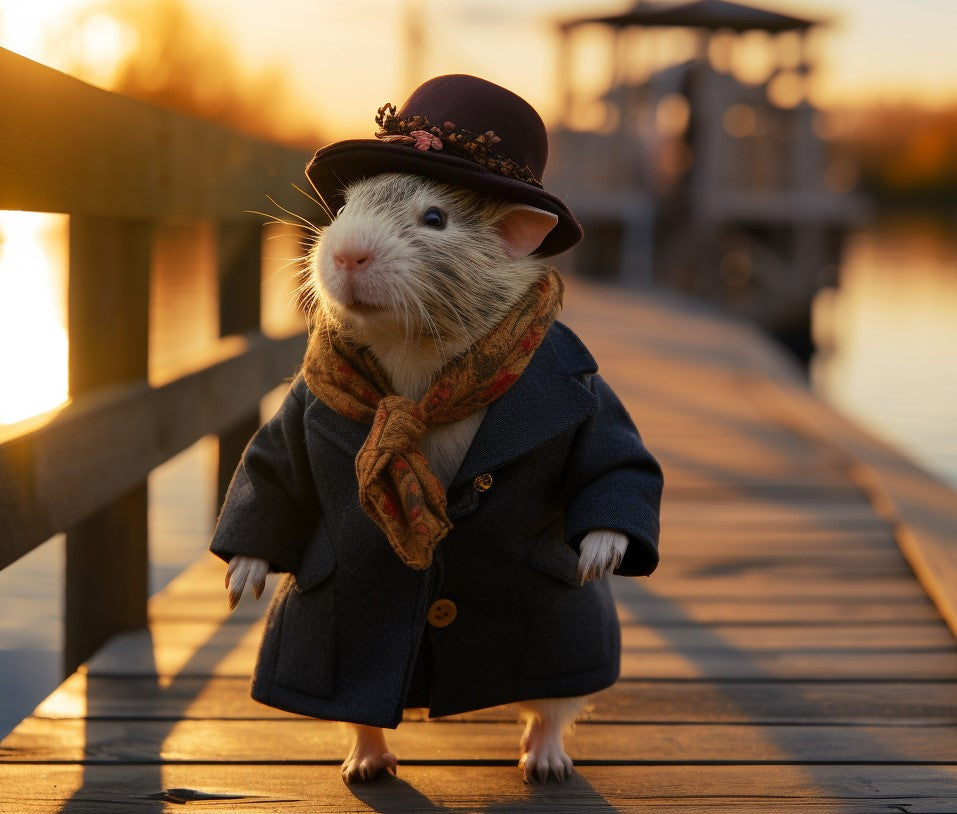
[{"x": 397, "y": 489}]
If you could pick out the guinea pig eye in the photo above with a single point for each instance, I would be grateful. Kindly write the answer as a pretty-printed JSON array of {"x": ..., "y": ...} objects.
[{"x": 434, "y": 218}]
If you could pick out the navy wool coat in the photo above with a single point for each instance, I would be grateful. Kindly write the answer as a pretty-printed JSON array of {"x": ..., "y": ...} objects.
[{"x": 349, "y": 634}]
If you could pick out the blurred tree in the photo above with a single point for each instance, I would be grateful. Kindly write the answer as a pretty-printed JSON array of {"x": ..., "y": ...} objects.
[
  {"x": 162, "y": 52},
  {"x": 906, "y": 154}
]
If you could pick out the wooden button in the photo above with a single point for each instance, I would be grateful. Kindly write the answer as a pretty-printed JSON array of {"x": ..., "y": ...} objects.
[
  {"x": 483, "y": 483},
  {"x": 442, "y": 613}
]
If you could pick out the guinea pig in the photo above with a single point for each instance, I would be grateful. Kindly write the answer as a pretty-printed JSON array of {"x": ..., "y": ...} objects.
[{"x": 418, "y": 271}]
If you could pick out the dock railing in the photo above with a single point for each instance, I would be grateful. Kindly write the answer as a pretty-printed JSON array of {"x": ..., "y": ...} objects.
[{"x": 120, "y": 168}]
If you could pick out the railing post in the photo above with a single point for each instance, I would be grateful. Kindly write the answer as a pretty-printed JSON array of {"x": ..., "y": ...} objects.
[
  {"x": 239, "y": 252},
  {"x": 107, "y": 561}
]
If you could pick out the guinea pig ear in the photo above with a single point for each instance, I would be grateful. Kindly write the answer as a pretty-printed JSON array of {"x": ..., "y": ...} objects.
[{"x": 523, "y": 228}]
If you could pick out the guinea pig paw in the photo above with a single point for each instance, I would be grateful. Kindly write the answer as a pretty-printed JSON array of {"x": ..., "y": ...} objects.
[
  {"x": 543, "y": 752},
  {"x": 361, "y": 767},
  {"x": 601, "y": 550},
  {"x": 369, "y": 756},
  {"x": 241, "y": 570},
  {"x": 545, "y": 761}
]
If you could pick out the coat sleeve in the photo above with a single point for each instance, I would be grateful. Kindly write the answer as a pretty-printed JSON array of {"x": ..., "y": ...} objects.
[
  {"x": 613, "y": 482},
  {"x": 271, "y": 506}
]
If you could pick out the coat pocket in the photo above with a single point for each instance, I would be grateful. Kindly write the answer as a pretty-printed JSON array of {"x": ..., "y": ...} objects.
[
  {"x": 551, "y": 555},
  {"x": 572, "y": 628},
  {"x": 307, "y": 641}
]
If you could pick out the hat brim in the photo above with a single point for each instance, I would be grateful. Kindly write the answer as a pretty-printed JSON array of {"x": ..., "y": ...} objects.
[{"x": 340, "y": 164}]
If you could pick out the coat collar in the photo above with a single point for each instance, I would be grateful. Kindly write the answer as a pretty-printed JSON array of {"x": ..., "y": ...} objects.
[{"x": 548, "y": 398}]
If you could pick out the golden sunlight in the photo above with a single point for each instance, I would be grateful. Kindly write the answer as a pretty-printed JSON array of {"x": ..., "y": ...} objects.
[
  {"x": 25, "y": 27},
  {"x": 33, "y": 340},
  {"x": 94, "y": 47}
]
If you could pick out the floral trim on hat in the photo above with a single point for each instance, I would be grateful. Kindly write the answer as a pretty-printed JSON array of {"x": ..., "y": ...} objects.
[{"x": 418, "y": 132}]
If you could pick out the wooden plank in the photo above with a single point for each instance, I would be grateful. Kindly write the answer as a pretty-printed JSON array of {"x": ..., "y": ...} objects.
[
  {"x": 738, "y": 577},
  {"x": 196, "y": 595},
  {"x": 924, "y": 509},
  {"x": 95, "y": 450},
  {"x": 306, "y": 740},
  {"x": 636, "y": 701},
  {"x": 787, "y": 541},
  {"x": 920, "y": 637},
  {"x": 126, "y": 157},
  {"x": 684, "y": 516},
  {"x": 794, "y": 610},
  {"x": 729, "y": 663},
  {"x": 687, "y": 484},
  {"x": 177, "y": 649},
  {"x": 745, "y": 586},
  {"x": 782, "y": 559},
  {"x": 660, "y": 611},
  {"x": 664, "y": 789}
]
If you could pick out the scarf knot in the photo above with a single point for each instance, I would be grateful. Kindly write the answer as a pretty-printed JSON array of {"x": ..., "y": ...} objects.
[
  {"x": 397, "y": 488},
  {"x": 398, "y": 425}
]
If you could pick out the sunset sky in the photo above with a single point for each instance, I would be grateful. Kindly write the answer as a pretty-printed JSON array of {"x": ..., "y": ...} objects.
[{"x": 342, "y": 59}]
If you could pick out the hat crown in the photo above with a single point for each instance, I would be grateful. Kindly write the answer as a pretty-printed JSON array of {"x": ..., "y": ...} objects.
[
  {"x": 442, "y": 133},
  {"x": 478, "y": 105}
]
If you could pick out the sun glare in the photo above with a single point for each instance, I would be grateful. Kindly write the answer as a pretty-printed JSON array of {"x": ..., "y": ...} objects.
[
  {"x": 25, "y": 26},
  {"x": 94, "y": 47},
  {"x": 103, "y": 45},
  {"x": 33, "y": 342}
]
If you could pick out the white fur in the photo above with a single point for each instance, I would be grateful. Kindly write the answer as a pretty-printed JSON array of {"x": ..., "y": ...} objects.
[
  {"x": 418, "y": 297},
  {"x": 369, "y": 755},
  {"x": 601, "y": 551},
  {"x": 542, "y": 747},
  {"x": 242, "y": 569}
]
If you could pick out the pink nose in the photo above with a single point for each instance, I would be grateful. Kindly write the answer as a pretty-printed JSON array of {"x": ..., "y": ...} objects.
[{"x": 351, "y": 260}]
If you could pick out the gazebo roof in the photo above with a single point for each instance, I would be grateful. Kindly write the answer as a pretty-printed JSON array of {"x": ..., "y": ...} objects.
[{"x": 708, "y": 14}]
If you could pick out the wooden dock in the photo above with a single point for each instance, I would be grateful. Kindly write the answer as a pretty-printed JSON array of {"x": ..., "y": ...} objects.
[{"x": 784, "y": 658}]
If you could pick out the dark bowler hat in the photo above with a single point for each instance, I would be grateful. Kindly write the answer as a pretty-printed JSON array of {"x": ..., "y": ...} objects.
[{"x": 460, "y": 130}]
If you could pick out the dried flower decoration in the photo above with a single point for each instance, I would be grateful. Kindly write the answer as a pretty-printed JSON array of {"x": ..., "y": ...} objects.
[
  {"x": 426, "y": 141},
  {"x": 420, "y": 133}
]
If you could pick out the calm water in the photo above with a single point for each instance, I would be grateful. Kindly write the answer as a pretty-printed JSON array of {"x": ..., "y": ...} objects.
[
  {"x": 889, "y": 344},
  {"x": 888, "y": 339}
]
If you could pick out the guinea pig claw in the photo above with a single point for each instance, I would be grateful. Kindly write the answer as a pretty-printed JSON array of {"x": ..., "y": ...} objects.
[
  {"x": 541, "y": 768},
  {"x": 242, "y": 570},
  {"x": 235, "y": 587},
  {"x": 601, "y": 551}
]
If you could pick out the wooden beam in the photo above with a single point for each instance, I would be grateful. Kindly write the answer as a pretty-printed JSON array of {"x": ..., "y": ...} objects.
[
  {"x": 96, "y": 449},
  {"x": 239, "y": 249},
  {"x": 107, "y": 558},
  {"x": 66, "y": 146}
]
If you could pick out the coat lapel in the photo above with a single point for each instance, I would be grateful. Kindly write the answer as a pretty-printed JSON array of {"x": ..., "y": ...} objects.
[
  {"x": 546, "y": 400},
  {"x": 343, "y": 433}
]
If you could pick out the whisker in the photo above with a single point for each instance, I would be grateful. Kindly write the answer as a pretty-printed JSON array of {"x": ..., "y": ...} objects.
[
  {"x": 305, "y": 221},
  {"x": 289, "y": 262},
  {"x": 317, "y": 201},
  {"x": 321, "y": 201}
]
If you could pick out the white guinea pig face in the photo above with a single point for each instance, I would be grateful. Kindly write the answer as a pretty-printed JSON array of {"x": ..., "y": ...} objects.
[{"x": 421, "y": 257}]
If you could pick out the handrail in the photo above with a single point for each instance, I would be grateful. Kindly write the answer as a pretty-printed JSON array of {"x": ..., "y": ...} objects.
[
  {"x": 66, "y": 146},
  {"x": 119, "y": 168},
  {"x": 98, "y": 448}
]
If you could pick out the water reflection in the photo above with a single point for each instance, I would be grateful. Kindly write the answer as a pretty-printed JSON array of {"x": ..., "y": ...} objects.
[{"x": 888, "y": 338}]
